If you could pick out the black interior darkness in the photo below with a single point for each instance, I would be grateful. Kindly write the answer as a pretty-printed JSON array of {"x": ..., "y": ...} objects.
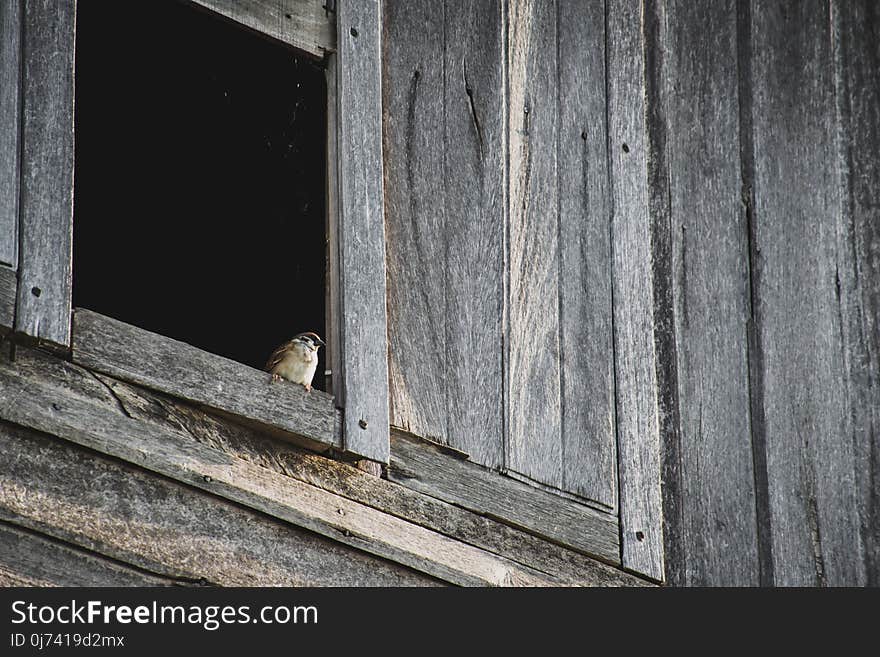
[{"x": 199, "y": 179}]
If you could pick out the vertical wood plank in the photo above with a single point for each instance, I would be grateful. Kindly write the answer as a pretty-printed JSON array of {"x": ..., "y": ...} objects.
[
  {"x": 587, "y": 351},
  {"x": 10, "y": 128},
  {"x": 415, "y": 228},
  {"x": 362, "y": 230},
  {"x": 8, "y": 286},
  {"x": 534, "y": 441},
  {"x": 635, "y": 365},
  {"x": 473, "y": 174},
  {"x": 694, "y": 118},
  {"x": 803, "y": 393},
  {"x": 43, "y": 305},
  {"x": 856, "y": 26}
]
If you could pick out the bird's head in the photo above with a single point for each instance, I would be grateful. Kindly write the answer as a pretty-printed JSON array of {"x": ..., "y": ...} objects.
[{"x": 310, "y": 340}]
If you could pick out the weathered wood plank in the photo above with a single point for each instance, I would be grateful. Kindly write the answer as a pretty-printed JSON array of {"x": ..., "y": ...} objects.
[
  {"x": 589, "y": 444},
  {"x": 342, "y": 479},
  {"x": 178, "y": 534},
  {"x": 709, "y": 499},
  {"x": 430, "y": 470},
  {"x": 803, "y": 384},
  {"x": 534, "y": 431},
  {"x": 857, "y": 76},
  {"x": 10, "y": 129},
  {"x": 43, "y": 403},
  {"x": 8, "y": 286},
  {"x": 46, "y": 211},
  {"x": 635, "y": 366},
  {"x": 474, "y": 186},
  {"x": 303, "y": 24},
  {"x": 113, "y": 347},
  {"x": 362, "y": 230},
  {"x": 35, "y": 560},
  {"x": 416, "y": 237}
]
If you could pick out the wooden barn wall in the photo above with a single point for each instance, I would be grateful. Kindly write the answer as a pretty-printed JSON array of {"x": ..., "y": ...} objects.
[
  {"x": 490, "y": 132},
  {"x": 530, "y": 146}
]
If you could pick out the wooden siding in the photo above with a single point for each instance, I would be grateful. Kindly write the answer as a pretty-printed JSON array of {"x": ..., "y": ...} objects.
[
  {"x": 46, "y": 200},
  {"x": 718, "y": 221},
  {"x": 499, "y": 334},
  {"x": 708, "y": 466}
]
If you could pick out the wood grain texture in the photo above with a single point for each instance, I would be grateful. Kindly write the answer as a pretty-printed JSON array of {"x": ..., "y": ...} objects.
[
  {"x": 429, "y": 469},
  {"x": 10, "y": 128},
  {"x": 709, "y": 498},
  {"x": 362, "y": 230},
  {"x": 176, "y": 368},
  {"x": 444, "y": 172},
  {"x": 533, "y": 400},
  {"x": 35, "y": 560},
  {"x": 589, "y": 445},
  {"x": 303, "y": 24},
  {"x": 474, "y": 186},
  {"x": 46, "y": 211},
  {"x": 171, "y": 533},
  {"x": 53, "y": 403},
  {"x": 352, "y": 483},
  {"x": 856, "y": 27},
  {"x": 8, "y": 286},
  {"x": 804, "y": 394},
  {"x": 635, "y": 366},
  {"x": 416, "y": 237}
]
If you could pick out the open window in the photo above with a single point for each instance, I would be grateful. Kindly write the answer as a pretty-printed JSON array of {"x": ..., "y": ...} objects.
[{"x": 214, "y": 204}]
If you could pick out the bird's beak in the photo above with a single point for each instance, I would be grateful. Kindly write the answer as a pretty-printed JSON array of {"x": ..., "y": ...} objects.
[{"x": 321, "y": 342}]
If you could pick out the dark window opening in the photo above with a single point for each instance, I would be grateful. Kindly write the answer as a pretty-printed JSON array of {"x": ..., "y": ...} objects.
[{"x": 199, "y": 197}]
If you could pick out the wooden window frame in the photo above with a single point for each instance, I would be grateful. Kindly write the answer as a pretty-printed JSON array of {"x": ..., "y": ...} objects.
[{"x": 36, "y": 194}]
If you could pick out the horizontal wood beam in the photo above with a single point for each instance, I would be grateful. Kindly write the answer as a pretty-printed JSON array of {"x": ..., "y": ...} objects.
[
  {"x": 303, "y": 24},
  {"x": 28, "y": 558},
  {"x": 176, "y": 368},
  {"x": 59, "y": 402},
  {"x": 172, "y": 533},
  {"x": 386, "y": 496},
  {"x": 427, "y": 468}
]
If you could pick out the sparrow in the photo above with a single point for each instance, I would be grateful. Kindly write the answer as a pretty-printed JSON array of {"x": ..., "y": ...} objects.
[{"x": 296, "y": 359}]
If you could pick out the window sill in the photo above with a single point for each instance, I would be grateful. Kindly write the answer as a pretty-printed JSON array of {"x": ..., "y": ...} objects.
[{"x": 242, "y": 393}]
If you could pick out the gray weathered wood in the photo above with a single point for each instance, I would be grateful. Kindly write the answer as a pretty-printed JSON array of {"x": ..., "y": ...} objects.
[
  {"x": 415, "y": 228},
  {"x": 172, "y": 532},
  {"x": 10, "y": 128},
  {"x": 362, "y": 230},
  {"x": 304, "y": 24},
  {"x": 349, "y": 482},
  {"x": 125, "y": 351},
  {"x": 36, "y": 560},
  {"x": 474, "y": 186},
  {"x": 533, "y": 400},
  {"x": 635, "y": 367},
  {"x": 799, "y": 241},
  {"x": 45, "y": 403},
  {"x": 709, "y": 498},
  {"x": 8, "y": 286},
  {"x": 46, "y": 211},
  {"x": 589, "y": 443},
  {"x": 857, "y": 62},
  {"x": 444, "y": 169},
  {"x": 332, "y": 308},
  {"x": 432, "y": 470}
]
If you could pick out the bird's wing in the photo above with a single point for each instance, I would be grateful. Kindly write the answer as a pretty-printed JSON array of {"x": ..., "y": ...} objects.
[{"x": 277, "y": 355}]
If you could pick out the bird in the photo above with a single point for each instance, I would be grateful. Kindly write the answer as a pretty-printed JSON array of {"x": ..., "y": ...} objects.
[{"x": 296, "y": 359}]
